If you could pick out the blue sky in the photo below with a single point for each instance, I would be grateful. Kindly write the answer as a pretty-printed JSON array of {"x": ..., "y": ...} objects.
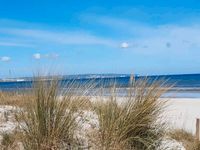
[{"x": 99, "y": 36}]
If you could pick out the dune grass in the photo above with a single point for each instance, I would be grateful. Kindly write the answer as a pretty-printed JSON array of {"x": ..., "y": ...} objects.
[
  {"x": 10, "y": 141},
  {"x": 13, "y": 99},
  {"x": 136, "y": 123},
  {"x": 49, "y": 120},
  {"x": 7, "y": 141},
  {"x": 186, "y": 138}
]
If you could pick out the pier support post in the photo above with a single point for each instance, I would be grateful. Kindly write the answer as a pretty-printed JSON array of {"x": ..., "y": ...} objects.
[{"x": 197, "y": 129}]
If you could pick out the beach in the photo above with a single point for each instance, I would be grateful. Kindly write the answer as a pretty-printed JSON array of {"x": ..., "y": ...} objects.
[{"x": 181, "y": 113}]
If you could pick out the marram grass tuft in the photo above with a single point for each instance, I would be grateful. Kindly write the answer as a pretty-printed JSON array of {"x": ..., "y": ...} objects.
[
  {"x": 134, "y": 123},
  {"x": 49, "y": 121}
]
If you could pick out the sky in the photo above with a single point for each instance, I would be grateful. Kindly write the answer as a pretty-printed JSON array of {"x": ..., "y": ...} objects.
[{"x": 99, "y": 36}]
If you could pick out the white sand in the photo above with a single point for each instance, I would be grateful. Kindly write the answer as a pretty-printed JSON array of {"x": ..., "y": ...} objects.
[{"x": 182, "y": 113}]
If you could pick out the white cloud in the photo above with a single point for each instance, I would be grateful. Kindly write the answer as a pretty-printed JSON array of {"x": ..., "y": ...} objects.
[
  {"x": 14, "y": 44},
  {"x": 51, "y": 56},
  {"x": 162, "y": 39},
  {"x": 37, "y": 56},
  {"x": 142, "y": 38},
  {"x": 56, "y": 37},
  {"x": 48, "y": 56},
  {"x": 5, "y": 58},
  {"x": 124, "y": 45}
]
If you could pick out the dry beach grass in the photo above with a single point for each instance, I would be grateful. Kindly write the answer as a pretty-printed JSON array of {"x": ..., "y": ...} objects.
[
  {"x": 12, "y": 98},
  {"x": 188, "y": 139},
  {"x": 49, "y": 121},
  {"x": 135, "y": 123}
]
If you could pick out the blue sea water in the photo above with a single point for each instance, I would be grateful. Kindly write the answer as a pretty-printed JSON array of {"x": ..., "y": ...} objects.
[{"x": 184, "y": 85}]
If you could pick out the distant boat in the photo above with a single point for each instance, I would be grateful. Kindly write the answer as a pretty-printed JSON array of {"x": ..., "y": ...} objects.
[{"x": 20, "y": 80}]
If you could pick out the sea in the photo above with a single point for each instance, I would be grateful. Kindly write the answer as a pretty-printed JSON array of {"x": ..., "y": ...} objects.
[{"x": 184, "y": 85}]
